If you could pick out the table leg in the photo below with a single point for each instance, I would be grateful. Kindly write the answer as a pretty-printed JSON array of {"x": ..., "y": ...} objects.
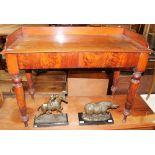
[
  {"x": 152, "y": 85},
  {"x": 30, "y": 83},
  {"x": 134, "y": 83},
  {"x": 115, "y": 81},
  {"x": 1, "y": 97},
  {"x": 17, "y": 83}
]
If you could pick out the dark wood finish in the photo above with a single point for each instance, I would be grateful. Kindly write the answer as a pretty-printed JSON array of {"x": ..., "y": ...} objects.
[{"x": 76, "y": 47}]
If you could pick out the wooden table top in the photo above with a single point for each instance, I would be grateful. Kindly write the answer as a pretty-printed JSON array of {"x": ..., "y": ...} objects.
[
  {"x": 75, "y": 43},
  {"x": 87, "y": 39}
]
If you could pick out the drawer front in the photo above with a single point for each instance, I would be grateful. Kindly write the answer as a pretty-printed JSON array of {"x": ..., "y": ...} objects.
[
  {"x": 77, "y": 60},
  {"x": 47, "y": 60},
  {"x": 108, "y": 60}
]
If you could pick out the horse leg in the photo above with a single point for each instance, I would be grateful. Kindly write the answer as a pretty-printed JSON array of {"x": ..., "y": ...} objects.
[
  {"x": 49, "y": 112},
  {"x": 60, "y": 110},
  {"x": 40, "y": 114}
]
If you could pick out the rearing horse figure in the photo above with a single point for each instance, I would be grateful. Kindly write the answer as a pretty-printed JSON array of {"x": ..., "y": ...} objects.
[{"x": 54, "y": 104}]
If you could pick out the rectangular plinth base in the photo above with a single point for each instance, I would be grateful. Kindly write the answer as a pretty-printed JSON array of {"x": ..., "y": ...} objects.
[
  {"x": 48, "y": 120},
  {"x": 83, "y": 122}
]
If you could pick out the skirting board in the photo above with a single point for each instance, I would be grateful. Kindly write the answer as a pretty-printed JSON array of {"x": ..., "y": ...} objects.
[{"x": 150, "y": 102}]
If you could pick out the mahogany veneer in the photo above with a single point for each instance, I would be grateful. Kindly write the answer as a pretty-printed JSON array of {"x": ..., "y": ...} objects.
[{"x": 74, "y": 47}]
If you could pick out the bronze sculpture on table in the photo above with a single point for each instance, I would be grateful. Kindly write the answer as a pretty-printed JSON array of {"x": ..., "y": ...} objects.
[
  {"x": 96, "y": 113},
  {"x": 51, "y": 112},
  {"x": 54, "y": 104}
]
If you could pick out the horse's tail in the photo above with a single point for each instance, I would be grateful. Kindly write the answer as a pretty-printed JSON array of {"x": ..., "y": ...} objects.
[{"x": 39, "y": 107}]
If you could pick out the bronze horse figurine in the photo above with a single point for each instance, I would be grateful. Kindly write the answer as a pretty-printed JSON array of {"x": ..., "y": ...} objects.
[{"x": 54, "y": 104}]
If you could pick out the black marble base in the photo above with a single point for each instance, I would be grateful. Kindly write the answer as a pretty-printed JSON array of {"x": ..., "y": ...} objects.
[
  {"x": 48, "y": 120},
  {"x": 83, "y": 122}
]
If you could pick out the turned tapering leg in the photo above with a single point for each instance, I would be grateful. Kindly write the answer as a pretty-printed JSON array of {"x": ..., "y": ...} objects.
[
  {"x": 30, "y": 83},
  {"x": 116, "y": 76},
  {"x": 13, "y": 69},
  {"x": 134, "y": 83},
  {"x": 18, "y": 88},
  {"x": 1, "y": 97},
  {"x": 152, "y": 85}
]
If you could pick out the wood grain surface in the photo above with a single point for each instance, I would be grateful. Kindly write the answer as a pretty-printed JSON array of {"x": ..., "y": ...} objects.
[{"x": 74, "y": 43}]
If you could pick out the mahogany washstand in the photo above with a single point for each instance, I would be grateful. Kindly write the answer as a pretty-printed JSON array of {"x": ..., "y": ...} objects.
[{"x": 74, "y": 47}]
